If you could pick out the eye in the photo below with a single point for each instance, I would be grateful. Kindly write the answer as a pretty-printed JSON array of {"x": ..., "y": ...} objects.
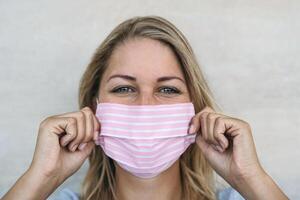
[
  {"x": 123, "y": 89},
  {"x": 170, "y": 90}
]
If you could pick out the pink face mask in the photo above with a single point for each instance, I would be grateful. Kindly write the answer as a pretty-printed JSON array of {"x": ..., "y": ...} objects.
[{"x": 145, "y": 140}]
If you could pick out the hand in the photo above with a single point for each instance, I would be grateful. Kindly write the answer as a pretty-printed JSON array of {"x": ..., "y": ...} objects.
[
  {"x": 63, "y": 143},
  {"x": 227, "y": 144}
]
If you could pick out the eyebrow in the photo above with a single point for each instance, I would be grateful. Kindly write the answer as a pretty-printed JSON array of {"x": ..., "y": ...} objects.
[{"x": 131, "y": 78}]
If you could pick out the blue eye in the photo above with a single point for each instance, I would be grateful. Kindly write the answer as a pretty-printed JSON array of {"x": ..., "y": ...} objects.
[
  {"x": 121, "y": 89},
  {"x": 170, "y": 90},
  {"x": 126, "y": 89}
]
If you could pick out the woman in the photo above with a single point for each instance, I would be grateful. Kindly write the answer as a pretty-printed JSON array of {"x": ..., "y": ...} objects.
[{"x": 145, "y": 61}]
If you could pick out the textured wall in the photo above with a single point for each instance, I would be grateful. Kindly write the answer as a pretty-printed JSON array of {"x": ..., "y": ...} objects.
[{"x": 249, "y": 52}]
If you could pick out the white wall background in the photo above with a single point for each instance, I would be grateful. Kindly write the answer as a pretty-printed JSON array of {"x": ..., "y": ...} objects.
[{"x": 249, "y": 51}]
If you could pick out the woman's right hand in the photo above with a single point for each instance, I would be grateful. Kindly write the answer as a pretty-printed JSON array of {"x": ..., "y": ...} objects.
[{"x": 63, "y": 143}]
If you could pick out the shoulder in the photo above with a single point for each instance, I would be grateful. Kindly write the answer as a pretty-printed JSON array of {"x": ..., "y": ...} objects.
[
  {"x": 229, "y": 194},
  {"x": 65, "y": 194},
  {"x": 223, "y": 194}
]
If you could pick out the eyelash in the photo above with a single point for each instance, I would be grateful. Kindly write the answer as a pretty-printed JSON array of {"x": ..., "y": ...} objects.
[{"x": 174, "y": 90}]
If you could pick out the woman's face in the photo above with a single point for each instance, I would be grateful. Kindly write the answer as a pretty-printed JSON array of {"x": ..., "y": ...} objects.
[{"x": 143, "y": 71}]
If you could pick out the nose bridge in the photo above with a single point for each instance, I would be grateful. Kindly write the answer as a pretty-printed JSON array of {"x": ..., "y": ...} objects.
[{"x": 146, "y": 98}]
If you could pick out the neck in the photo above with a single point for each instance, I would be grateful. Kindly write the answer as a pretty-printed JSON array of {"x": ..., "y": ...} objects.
[{"x": 165, "y": 186}]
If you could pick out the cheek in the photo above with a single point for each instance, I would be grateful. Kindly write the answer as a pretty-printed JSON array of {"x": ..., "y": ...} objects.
[
  {"x": 185, "y": 98},
  {"x": 187, "y": 95},
  {"x": 103, "y": 95}
]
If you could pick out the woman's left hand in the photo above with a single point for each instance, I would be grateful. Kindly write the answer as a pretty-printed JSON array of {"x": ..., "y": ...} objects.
[{"x": 227, "y": 144}]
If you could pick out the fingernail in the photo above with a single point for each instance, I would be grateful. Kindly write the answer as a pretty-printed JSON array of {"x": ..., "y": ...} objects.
[
  {"x": 81, "y": 146},
  {"x": 192, "y": 129},
  {"x": 65, "y": 140},
  {"x": 74, "y": 148},
  {"x": 222, "y": 144},
  {"x": 220, "y": 149},
  {"x": 217, "y": 148}
]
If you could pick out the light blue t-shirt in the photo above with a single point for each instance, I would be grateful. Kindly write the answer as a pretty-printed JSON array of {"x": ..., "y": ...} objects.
[{"x": 225, "y": 194}]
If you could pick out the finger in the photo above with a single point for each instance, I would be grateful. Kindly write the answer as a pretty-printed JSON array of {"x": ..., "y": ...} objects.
[
  {"x": 219, "y": 131},
  {"x": 219, "y": 141},
  {"x": 210, "y": 123},
  {"x": 65, "y": 140},
  {"x": 97, "y": 127},
  {"x": 203, "y": 125},
  {"x": 69, "y": 126},
  {"x": 89, "y": 124},
  {"x": 81, "y": 123},
  {"x": 194, "y": 125},
  {"x": 233, "y": 128}
]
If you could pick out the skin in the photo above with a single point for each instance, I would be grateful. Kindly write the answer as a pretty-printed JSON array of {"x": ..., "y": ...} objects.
[{"x": 67, "y": 139}]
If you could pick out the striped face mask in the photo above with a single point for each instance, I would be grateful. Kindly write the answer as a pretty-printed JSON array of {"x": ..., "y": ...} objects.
[{"x": 145, "y": 140}]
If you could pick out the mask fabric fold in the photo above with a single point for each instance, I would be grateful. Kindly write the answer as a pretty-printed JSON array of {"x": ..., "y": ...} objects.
[{"x": 145, "y": 140}]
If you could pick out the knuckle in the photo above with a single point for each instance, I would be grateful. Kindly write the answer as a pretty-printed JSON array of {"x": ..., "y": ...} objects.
[
  {"x": 218, "y": 121},
  {"x": 71, "y": 121},
  {"x": 45, "y": 122},
  {"x": 210, "y": 116},
  {"x": 245, "y": 124},
  {"x": 80, "y": 115},
  {"x": 87, "y": 110},
  {"x": 203, "y": 116},
  {"x": 89, "y": 115},
  {"x": 194, "y": 119}
]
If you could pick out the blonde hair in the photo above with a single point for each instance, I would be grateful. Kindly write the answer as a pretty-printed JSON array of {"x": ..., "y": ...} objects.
[{"x": 196, "y": 173}]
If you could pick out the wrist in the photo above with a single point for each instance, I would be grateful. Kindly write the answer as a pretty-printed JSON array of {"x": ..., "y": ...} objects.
[
  {"x": 250, "y": 180},
  {"x": 32, "y": 185},
  {"x": 259, "y": 186},
  {"x": 248, "y": 186},
  {"x": 40, "y": 184}
]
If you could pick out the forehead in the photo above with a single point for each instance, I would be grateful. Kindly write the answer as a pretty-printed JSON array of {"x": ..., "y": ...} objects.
[{"x": 144, "y": 57}]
